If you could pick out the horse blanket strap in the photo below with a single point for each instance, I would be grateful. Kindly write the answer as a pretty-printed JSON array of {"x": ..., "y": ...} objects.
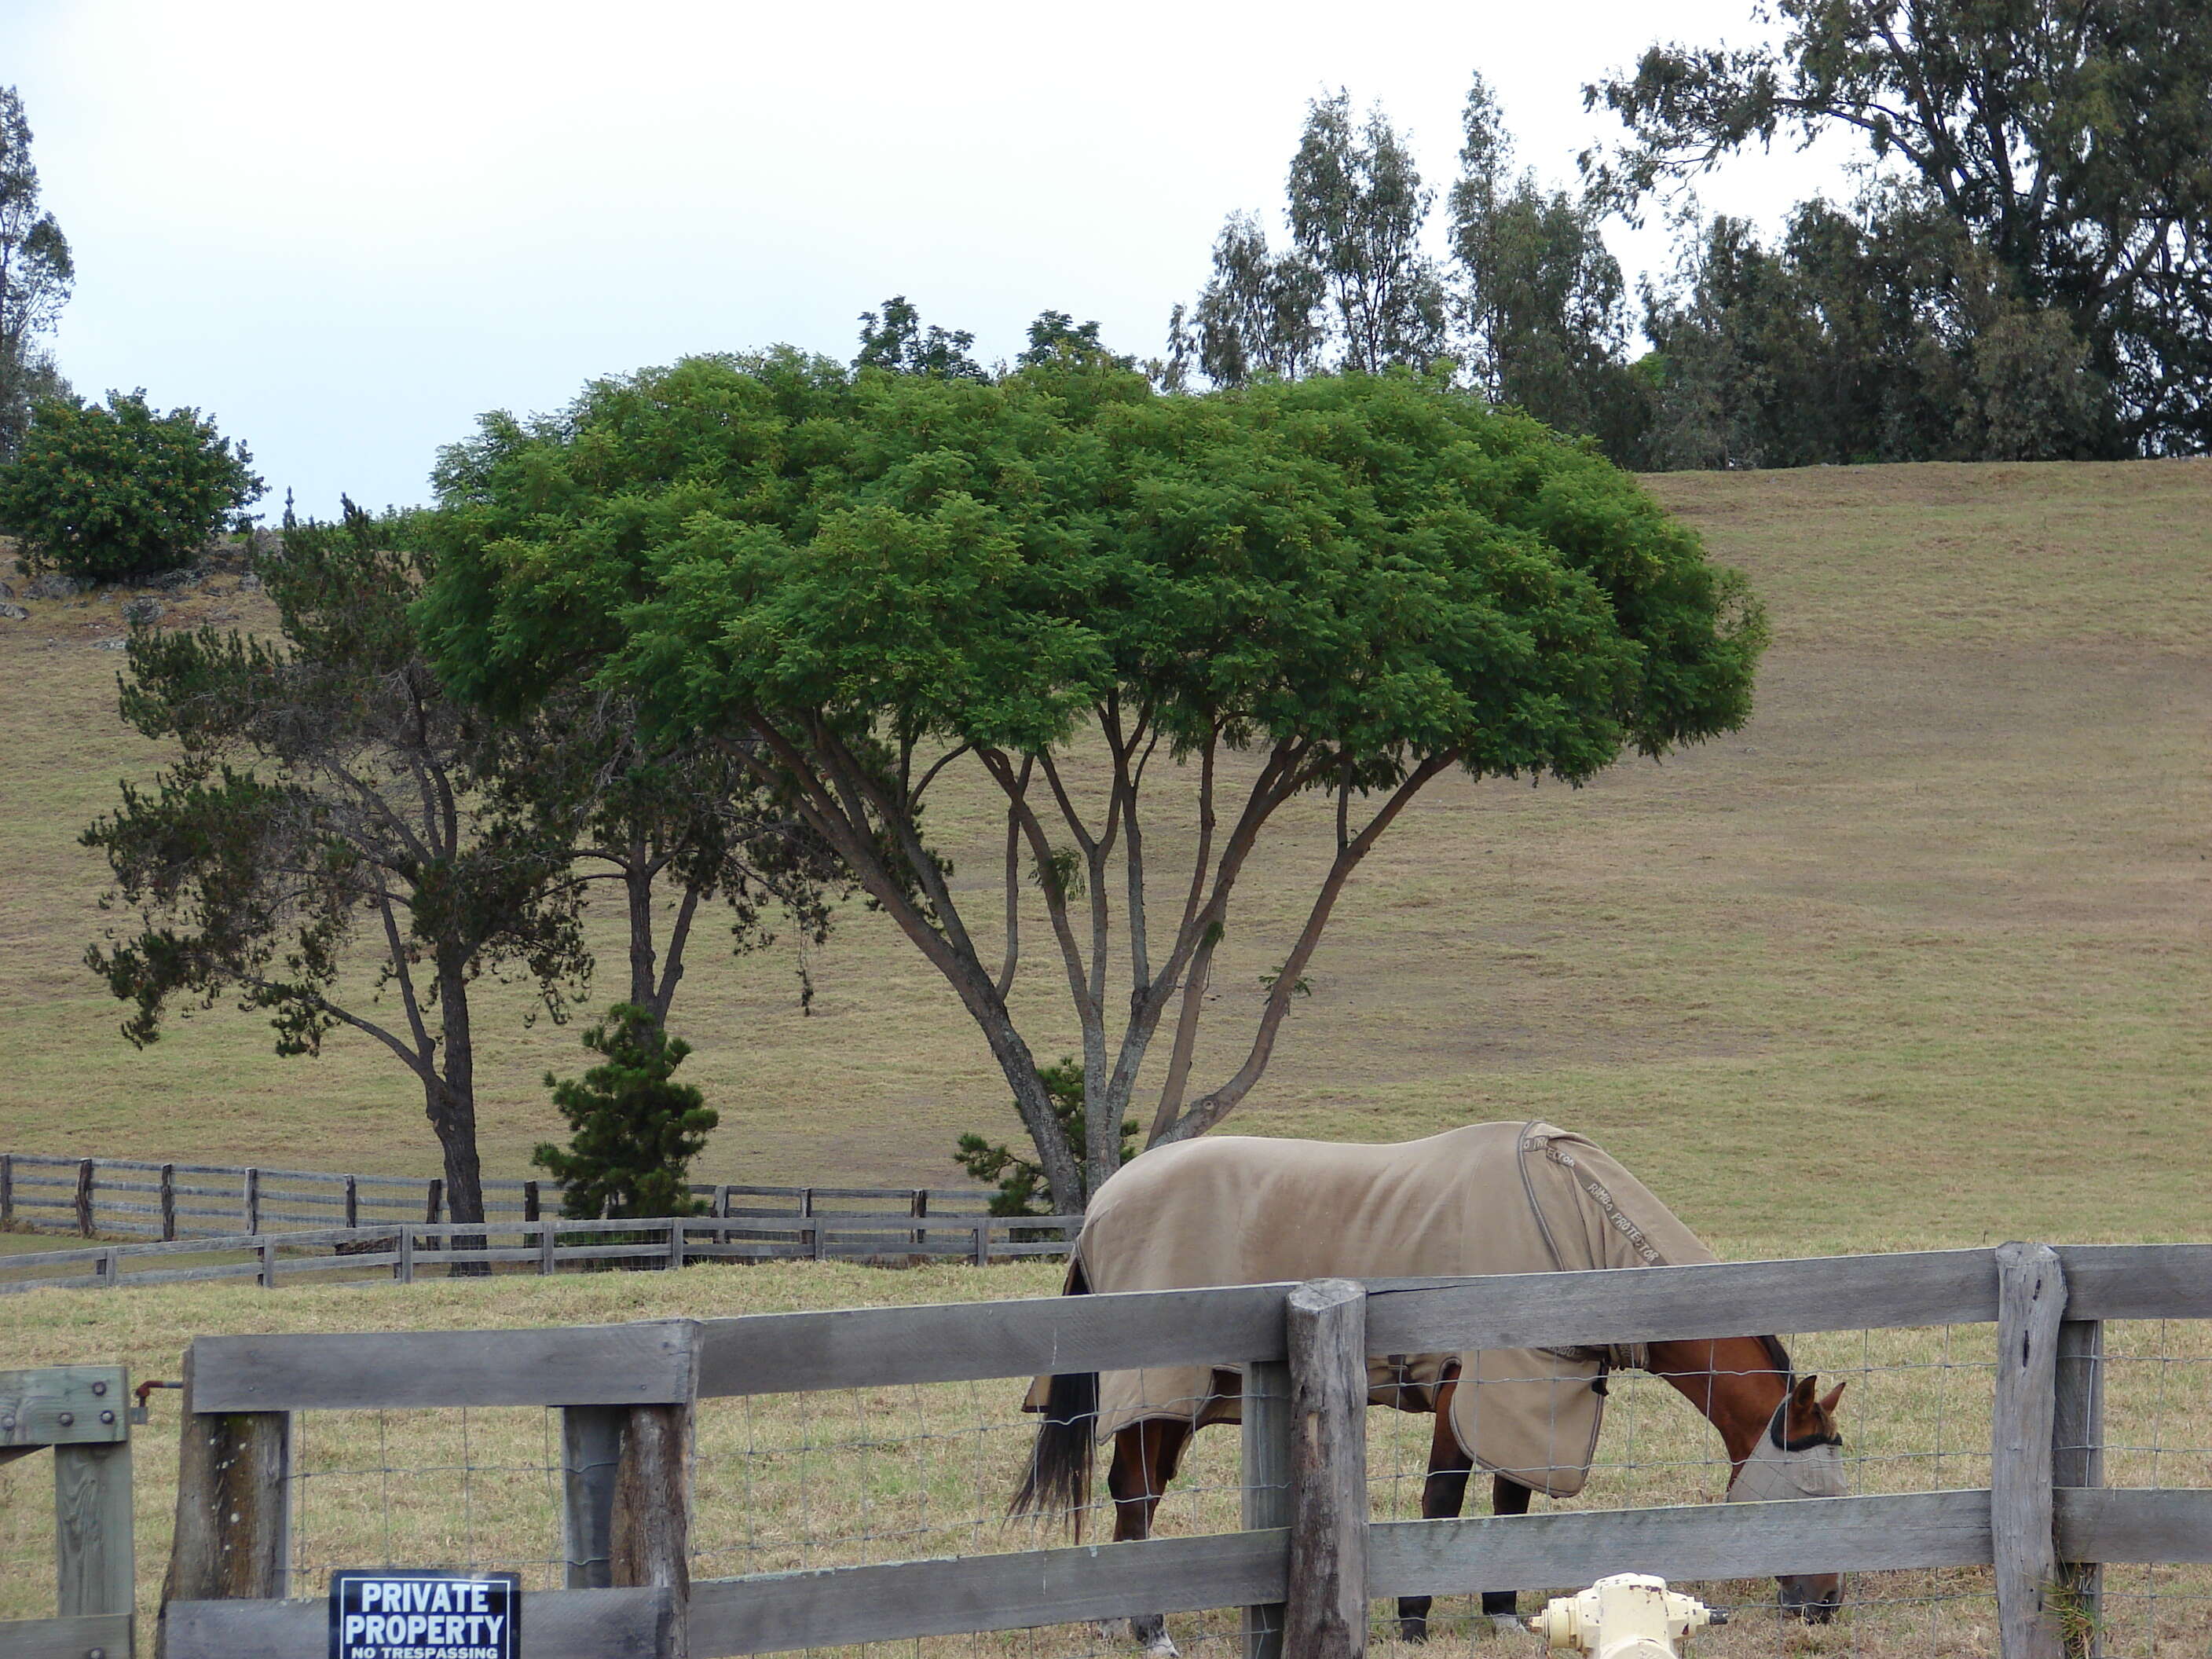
[
  {"x": 1614, "y": 1356},
  {"x": 1491, "y": 1198}
]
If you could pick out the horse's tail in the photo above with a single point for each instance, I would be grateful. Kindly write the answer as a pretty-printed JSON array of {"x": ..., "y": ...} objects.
[{"x": 1059, "y": 1477}]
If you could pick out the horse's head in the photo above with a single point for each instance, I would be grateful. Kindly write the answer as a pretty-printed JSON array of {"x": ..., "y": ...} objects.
[{"x": 1799, "y": 1455}]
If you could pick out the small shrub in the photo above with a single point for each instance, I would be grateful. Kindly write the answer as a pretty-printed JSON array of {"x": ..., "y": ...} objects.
[
  {"x": 634, "y": 1130},
  {"x": 1021, "y": 1181},
  {"x": 109, "y": 493}
]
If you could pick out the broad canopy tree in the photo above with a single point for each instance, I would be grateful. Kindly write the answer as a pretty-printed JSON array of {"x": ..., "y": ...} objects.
[{"x": 854, "y": 581}]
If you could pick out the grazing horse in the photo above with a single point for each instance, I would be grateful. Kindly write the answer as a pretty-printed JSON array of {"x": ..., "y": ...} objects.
[{"x": 1486, "y": 1199}]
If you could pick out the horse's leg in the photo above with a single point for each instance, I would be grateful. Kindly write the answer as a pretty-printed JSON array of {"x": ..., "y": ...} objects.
[
  {"x": 1144, "y": 1458},
  {"x": 1441, "y": 1494},
  {"x": 1506, "y": 1497}
]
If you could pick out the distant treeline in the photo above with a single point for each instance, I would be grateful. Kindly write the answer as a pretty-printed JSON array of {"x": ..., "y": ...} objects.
[{"x": 2025, "y": 274}]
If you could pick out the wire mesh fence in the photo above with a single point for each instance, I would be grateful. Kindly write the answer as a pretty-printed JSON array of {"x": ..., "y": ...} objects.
[{"x": 804, "y": 1481}]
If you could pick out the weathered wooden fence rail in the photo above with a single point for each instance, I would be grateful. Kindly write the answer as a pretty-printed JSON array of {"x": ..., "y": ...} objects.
[
  {"x": 83, "y": 1412},
  {"x": 1310, "y": 1560},
  {"x": 410, "y": 1249},
  {"x": 109, "y": 1195}
]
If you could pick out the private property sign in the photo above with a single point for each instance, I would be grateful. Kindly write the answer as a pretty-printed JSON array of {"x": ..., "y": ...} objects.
[{"x": 403, "y": 1612}]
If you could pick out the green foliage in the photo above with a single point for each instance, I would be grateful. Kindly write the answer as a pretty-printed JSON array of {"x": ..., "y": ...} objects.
[
  {"x": 115, "y": 492},
  {"x": 36, "y": 274},
  {"x": 1881, "y": 334},
  {"x": 327, "y": 798},
  {"x": 1022, "y": 1187},
  {"x": 1363, "y": 580},
  {"x": 1377, "y": 561},
  {"x": 1260, "y": 314},
  {"x": 1542, "y": 298},
  {"x": 2066, "y": 143},
  {"x": 893, "y": 340},
  {"x": 633, "y": 1130},
  {"x": 1056, "y": 338},
  {"x": 1357, "y": 208}
]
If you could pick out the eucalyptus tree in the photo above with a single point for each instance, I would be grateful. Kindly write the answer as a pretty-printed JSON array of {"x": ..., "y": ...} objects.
[
  {"x": 1543, "y": 308},
  {"x": 1356, "y": 211},
  {"x": 37, "y": 273},
  {"x": 2072, "y": 140},
  {"x": 854, "y": 583},
  {"x": 1259, "y": 313}
]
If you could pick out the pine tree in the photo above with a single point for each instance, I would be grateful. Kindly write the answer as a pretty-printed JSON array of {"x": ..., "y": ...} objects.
[{"x": 634, "y": 1129}]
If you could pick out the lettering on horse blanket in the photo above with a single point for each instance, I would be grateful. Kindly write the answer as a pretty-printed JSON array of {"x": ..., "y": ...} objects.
[{"x": 1491, "y": 1197}]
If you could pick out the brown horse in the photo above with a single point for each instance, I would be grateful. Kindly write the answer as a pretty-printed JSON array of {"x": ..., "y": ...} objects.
[
  {"x": 1779, "y": 1431},
  {"x": 1232, "y": 1209}
]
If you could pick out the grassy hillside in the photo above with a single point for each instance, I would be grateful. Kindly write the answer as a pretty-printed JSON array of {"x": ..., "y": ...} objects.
[{"x": 1919, "y": 957}]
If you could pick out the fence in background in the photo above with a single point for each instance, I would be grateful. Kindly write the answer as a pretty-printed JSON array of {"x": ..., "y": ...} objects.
[
  {"x": 1308, "y": 1559},
  {"x": 94, "y": 1196},
  {"x": 409, "y": 1250},
  {"x": 82, "y": 1413}
]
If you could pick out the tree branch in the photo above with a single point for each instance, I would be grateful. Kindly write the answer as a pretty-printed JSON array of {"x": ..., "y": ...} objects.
[{"x": 1209, "y": 1110}]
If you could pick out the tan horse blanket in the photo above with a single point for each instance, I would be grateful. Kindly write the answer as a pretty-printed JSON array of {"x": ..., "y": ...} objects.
[{"x": 1491, "y": 1197}]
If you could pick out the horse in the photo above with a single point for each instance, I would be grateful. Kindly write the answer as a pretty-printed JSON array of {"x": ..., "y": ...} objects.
[{"x": 1232, "y": 1209}]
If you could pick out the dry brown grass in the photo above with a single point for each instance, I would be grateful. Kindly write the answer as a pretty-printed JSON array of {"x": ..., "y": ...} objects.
[
  {"x": 1919, "y": 958},
  {"x": 1936, "y": 918}
]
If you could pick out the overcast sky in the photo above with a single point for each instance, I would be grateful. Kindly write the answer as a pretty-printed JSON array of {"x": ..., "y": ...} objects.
[{"x": 344, "y": 231}]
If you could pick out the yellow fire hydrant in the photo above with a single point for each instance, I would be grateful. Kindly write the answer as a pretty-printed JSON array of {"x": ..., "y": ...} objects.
[{"x": 1630, "y": 1615}]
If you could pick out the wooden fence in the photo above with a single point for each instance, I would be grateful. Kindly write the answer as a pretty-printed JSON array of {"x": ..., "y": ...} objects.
[
  {"x": 1310, "y": 1560},
  {"x": 107, "y": 1196},
  {"x": 83, "y": 1412},
  {"x": 409, "y": 1250}
]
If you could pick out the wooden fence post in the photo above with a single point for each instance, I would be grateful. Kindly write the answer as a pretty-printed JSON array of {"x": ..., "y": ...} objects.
[
  {"x": 7, "y": 1187},
  {"x": 722, "y": 1202},
  {"x": 983, "y": 1244},
  {"x": 919, "y": 1208},
  {"x": 1325, "y": 1330},
  {"x": 232, "y": 1537},
  {"x": 403, "y": 1269},
  {"x": 674, "y": 1241},
  {"x": 352, "y": 1202},
  {"x": 548, "y": 1240},
  {"x": 84, "y": 1197},
  {"x": 95, "y": 1557},
  {"x": 591, "y": 1454},
  {"x": 434, "y": 1201},
  {"x": 649, "y": 1534},
  {"x": 169, "y": 1201},
  {"x": 2077, "y": 1459},
  {"x": 267, "y": 1276},
  {"x": 252, "y": 1201},
  {"x": 529, "y": 1201},
  {"x": 2030, "y": 1302},
  {"x": 1266, "y": 1408}
]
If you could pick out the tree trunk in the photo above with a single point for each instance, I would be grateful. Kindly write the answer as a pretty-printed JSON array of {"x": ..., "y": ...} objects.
[
  {"x": 637, "y": 888},
  {"x": 451, "y": 1105}
]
